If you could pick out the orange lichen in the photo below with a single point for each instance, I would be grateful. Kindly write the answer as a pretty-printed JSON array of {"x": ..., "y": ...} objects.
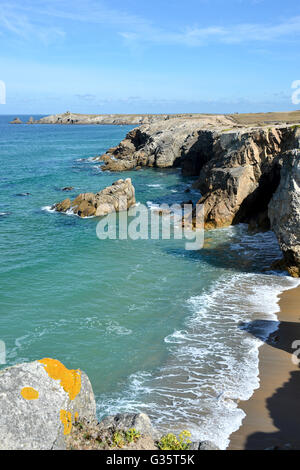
[
  {"x": 29, "y": 393},
  {"x": 66, "y": 419},
  {"x": 76, "y": 416},
  {"x": 70, "y": 379}
]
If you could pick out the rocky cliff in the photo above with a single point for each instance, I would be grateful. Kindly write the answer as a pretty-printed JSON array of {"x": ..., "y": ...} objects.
[
  {"x": 239, "y": 168},
  {"x": 284, "y": 211}
]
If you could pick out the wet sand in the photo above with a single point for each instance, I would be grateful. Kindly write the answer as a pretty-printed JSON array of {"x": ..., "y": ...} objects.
[{"x": 273, "y": 412}]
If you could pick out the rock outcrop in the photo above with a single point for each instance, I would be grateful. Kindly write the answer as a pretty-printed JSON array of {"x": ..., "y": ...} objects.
[
  {"x": 284, "y": 211},
  {"x": 16, "y": 120},
  {"x": 242, "y": 174},
  {"x": 176, "y": 142},
  {"x": 115, "y": 119},
  {"x": 30, "y": 120},
  {"x": 40, "y": 401},
  {"x": 125, "y": 421},
  {"x": 120, "y": 196}
]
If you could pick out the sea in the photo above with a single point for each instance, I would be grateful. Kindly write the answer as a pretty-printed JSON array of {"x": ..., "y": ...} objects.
[{"x": 158, "y": 328}]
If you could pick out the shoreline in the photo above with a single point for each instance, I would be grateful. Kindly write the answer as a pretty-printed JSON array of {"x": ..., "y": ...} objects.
[{"x": 273, "y": 412}]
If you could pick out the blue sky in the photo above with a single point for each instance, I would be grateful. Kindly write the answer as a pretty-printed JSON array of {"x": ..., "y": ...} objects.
[{"x": 135, "y": 56}]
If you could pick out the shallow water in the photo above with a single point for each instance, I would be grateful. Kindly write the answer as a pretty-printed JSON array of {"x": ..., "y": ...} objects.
[{"x": 156, "y": 327}]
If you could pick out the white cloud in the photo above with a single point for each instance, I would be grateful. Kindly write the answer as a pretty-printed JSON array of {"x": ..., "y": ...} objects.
[
  {"x": 18, "y": 23},
  {"x": 27, "y": 21}
]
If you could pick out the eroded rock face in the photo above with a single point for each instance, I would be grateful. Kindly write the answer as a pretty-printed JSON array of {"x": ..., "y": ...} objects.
[
  {"x": 119, "y": 196},
  {"x": 165, "y": 144},
  {"x": 284, "y": 211},
  {"x": 39, "y": 403},
  {"x": 239, "y": 179}
]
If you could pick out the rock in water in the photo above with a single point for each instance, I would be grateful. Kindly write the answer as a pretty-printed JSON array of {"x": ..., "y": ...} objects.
[
  {"x": 63, "y": 206},
  {"x": 30, "y": 120},
  {"x": 284, "y": 211},
  {"x": 119, "y": 196},
  {"x": 16, "y": 121},
  {"x": 39, "y": 403}
]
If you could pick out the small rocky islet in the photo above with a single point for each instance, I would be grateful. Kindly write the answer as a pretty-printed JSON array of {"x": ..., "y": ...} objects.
[{"x": 117, "y": 197}]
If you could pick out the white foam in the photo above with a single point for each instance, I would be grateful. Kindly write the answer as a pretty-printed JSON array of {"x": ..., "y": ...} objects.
[
  {"x": 48, "y": 209},
  {"x": 69, "y": 212}
]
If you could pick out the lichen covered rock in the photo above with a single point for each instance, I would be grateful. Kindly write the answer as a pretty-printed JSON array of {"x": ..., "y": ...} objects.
[{"x": 40, "y": 401}]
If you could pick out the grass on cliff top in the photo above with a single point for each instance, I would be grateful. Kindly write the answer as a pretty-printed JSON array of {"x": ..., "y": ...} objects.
[{"x": 265, "y": 118}]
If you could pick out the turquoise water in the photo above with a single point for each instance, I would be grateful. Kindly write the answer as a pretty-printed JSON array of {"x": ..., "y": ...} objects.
[{"x": 156, "y": 327}]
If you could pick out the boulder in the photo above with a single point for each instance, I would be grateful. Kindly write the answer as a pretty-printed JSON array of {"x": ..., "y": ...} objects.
[
  {"x": 125, "y": 421},
  {"x": 120, "y": 196},
  {"x": 39, "y": 402},
  {"x": 284, "y": 211}
]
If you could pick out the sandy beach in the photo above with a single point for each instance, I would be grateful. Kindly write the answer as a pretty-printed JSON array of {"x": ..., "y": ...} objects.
[{"x": 273, "y": 412}]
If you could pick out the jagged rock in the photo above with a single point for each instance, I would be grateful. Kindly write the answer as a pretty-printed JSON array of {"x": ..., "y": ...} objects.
[
  {"x": 284, "y": 212},
  {"x": 16, "y": 121},
  {"x": 39, "y": 403},
  {"x": 63, "y": 206},
  {"x": 165, "y": 144},
  {"x": 67, "y": 188},
  {"x": 238, "y": 181},
  {"x": 119, "y": 196},
  {"x": 30, "y": 120}
]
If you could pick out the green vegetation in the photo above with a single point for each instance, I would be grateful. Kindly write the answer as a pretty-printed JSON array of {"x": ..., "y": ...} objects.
[
  {"x": 171, "y": 442},
  {"x": 118, "y": 439},
  {"x": 132, "y": 435},
  {"x": 121, "y": 438}
]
